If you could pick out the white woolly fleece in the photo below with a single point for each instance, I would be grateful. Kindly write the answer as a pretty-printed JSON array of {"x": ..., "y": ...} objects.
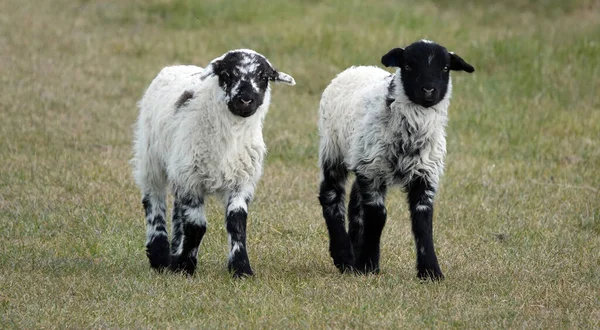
[{"x": 199, "y": 147}]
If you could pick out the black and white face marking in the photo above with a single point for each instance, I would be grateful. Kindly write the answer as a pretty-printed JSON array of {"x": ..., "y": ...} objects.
[
  {"x": 425, "y": 70},
  {"x": 244, "y": 75}
]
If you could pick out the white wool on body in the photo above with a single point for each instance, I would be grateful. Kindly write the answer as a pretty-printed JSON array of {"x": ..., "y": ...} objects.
[
  {"x": 389, "y": 143},
  {"x": 198, "y": 145}
]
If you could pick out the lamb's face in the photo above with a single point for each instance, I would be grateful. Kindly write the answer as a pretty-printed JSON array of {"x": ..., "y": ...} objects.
[
  {"x": 244, "y": 76},
  {"x": 425, "y": 70}
]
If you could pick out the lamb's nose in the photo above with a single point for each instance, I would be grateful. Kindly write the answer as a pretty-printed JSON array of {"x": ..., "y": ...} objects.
[
  {"x": 246, "y": 102},
  {"x": 428, "y": 90}
]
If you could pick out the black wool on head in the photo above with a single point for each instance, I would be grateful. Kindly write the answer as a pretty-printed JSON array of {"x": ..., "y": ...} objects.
[{"x": 425, "y": 70}]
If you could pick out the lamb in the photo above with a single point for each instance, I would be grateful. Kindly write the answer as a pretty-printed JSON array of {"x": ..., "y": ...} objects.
[
  {"x": 199, "y": 131},
  {"x": 388, "y": 129}
]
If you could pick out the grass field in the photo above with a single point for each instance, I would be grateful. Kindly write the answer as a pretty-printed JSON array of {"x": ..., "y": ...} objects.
[{"x": 517, "y": 224}]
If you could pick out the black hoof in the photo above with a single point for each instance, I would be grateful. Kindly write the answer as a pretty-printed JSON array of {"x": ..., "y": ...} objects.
[
  {"x": 434, "y": 274},
  {"x": 343, "y": 260},
  {"x": 181, "y": 264},
  {"x": 240, "y": 270},
  {"x": 239, "y": 265},
  {"x": 345, "y": 268},
  {"x": 157, "y": 251},
  {"x": 367, "y": 268}
]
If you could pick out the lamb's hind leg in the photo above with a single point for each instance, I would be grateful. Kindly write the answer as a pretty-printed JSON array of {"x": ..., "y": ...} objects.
[
  {"x": 157, "y": 240},
  {"x": 151, "y": 179},
  {"x": 331, "y": 197},
  {"x": 368, "y": 201},
  {"x": 189, "y": 227},
  {"x": 355, "y": 220}
]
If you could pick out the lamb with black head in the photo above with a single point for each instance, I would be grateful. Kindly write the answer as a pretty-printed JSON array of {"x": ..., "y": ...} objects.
[{"x": 388, "y": 129}]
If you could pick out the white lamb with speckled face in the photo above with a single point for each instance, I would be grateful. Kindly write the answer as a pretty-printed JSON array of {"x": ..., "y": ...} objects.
[
  {"x": 388, "y": 130},
  {"x": 199, "y": 132}
]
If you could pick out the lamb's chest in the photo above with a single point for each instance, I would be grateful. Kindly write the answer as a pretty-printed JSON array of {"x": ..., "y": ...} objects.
[
  {"x": 416, "y": 156},
  {"x": 242, "y": 162}
]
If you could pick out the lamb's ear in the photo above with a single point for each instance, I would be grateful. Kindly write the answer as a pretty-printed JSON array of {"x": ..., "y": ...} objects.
[
  {"x": 208, "y": 71},
  {"x": 458, "y": 64},
  {"x": 393, "y": 58},
  {"x": 284, "y": 78}
]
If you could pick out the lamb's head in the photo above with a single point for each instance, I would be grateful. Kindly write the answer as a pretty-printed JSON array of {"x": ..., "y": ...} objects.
[
  {"x": 244, "y": 76},
  {"x": 425, "y": 70}
]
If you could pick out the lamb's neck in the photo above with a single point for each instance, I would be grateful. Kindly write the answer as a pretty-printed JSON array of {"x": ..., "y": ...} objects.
[{"x": 406, "y": 121}]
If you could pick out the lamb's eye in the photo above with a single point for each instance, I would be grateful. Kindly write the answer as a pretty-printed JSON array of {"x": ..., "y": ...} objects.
[
  {"x": 225, "y": 73},
  {"x": 407, "y": 67},
  {"x": 445, "y": 69}
]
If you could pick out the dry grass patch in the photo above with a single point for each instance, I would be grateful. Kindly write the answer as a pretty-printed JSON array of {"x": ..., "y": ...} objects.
[{"x": 517, "y": 220}]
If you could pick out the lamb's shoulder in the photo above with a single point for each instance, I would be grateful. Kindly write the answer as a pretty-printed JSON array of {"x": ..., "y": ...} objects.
[
  {"x": 170, "y": 89},
  {"x": 376, "y": 130}
]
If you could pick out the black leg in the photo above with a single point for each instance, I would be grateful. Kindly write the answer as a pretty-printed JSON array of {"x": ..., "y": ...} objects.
[
  {"x": 189, "y": 227},
  {"x": 374, "y": 214},
  {"x": 420, "y": 199},
  {"x": 331, "y": 197},
  {"x": 157, "y": 240},
  {"x": 235, "y": 221}
]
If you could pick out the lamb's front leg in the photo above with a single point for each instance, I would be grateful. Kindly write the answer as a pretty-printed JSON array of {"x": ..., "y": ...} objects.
[
  {"x": 420, "y": 198},
  {"x": 189, "y": 227},
  {"x": 236, "y": 215}
]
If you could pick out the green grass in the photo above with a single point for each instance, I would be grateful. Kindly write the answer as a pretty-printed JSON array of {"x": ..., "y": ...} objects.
[{"x": 517, "y": 224}]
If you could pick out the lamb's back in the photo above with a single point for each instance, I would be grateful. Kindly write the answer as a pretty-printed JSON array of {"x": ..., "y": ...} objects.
[
  {"x": 344, "y": 105},
  {"x": 167, "y": 87}
]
